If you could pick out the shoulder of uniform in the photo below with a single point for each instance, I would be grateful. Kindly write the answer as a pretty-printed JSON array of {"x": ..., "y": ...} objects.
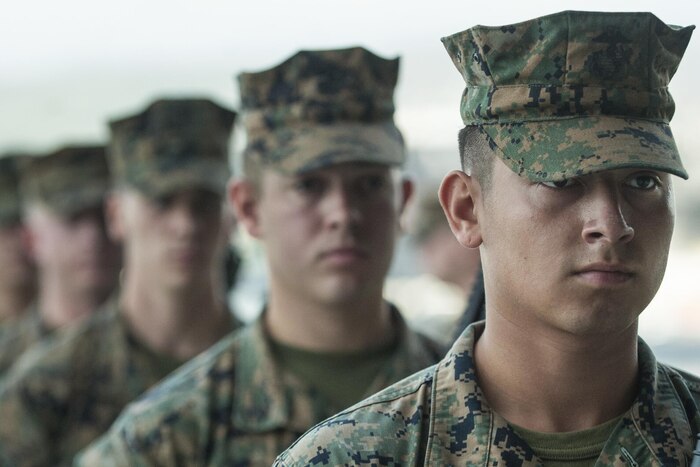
[
  {"x": 391, "y": 420},
  {"x": 409, "y": 388},
  {"x": 49, "y": 365},
  {"x": 685, "y": 379},
  {"x": 47, "y": 354},
  {"x": 183, "y": 400}
]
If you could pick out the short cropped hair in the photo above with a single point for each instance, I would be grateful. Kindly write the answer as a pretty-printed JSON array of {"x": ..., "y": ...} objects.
[{"x": 476, "y": 155}]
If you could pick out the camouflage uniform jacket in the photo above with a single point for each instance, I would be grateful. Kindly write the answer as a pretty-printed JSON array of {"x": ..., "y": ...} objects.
[
  {"x": 19, "y": 336},
  {"x": 234, "y": 406},
  {"x": 66, "y": 392},
  {"x": 440, "y": 417}
]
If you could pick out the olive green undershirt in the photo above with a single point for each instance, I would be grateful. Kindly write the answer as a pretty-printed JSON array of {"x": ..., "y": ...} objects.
[
  {"x": 572, "y": 449},
  {"x": 341, "y": 378},
  {"x": 158, "y": 364}
]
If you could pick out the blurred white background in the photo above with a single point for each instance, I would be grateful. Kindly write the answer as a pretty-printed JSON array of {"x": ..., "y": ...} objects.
[{"x": 67, "y": 67}]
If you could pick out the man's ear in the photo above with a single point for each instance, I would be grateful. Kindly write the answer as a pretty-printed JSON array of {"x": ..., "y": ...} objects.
[
  {"x": 243, "y": 196},
  {"x": 114, "y": 216},
  {"x": 459, "y": 194},
  {"x": 407, "y": 191}
]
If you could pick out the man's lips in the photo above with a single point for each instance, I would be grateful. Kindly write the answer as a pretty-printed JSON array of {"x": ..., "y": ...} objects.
[
  {"x": 605, "y": 273},
  {"x": 184, "y": 254},
  {"x": 344, "y": 254}
]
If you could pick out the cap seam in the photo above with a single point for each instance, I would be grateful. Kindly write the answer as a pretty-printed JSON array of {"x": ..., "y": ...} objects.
[
  {"x": 617, "y": 166},
  {"x": 559, "y": 118}
]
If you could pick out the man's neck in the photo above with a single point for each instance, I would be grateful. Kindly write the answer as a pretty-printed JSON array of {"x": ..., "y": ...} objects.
[
  {"x": 297, "y": 321},
  {"x": 555, "y": 383},
  {"x": 177, "y": 323},
  {"x": 60, "y": 305}
]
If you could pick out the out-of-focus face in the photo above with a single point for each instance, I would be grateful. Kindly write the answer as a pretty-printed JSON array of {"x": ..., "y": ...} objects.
[
  {"x": 583, "y": 256},
  {"x": 16, "y": 265},
  {"x": 329, "y": 234},
  {"x": 77, "y": 249},
  {"x": 445, "y": 258},
  {"x": 172, "y": 241}
]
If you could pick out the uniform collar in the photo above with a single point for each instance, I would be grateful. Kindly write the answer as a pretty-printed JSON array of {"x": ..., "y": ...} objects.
[
  {"x": 654, "y": 432},
  {"x": 268, "y": 398}
]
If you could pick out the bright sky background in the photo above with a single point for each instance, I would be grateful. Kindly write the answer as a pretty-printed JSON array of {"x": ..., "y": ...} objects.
[{"x": 68, "y": 66}]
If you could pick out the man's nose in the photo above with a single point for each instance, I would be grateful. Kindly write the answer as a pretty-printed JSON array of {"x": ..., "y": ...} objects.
[
  {"x": 606, "y": 217},
  {"x": 342, "y": 207}
]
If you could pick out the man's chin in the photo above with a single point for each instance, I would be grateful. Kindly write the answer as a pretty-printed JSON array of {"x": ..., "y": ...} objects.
[{"x": 183, "y": 281}]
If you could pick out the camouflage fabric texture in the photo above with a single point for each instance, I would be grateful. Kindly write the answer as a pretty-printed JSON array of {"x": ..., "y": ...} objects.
[
  {"x": 574, "y": 92},
  {"x": 173, "y": 143},
  {"x": 68, "y": 180},
  {"x": 10, "y": 203},
  {"x": 320, "y": 108},
  {"x": 20, "y": 335},
  {"x": 64, "y": 393},
  {"x": 439, "y": 417},
  {"x": 233, "y": 406}
]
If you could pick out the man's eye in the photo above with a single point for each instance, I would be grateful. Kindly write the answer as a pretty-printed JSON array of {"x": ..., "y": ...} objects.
[
  {"x": 163, "y": 202},
  {"x": 372, "y": 183},
  {"x": 309, "y": 185},
  {"x": 567, "y": 182},
  {"x": 207, "y": 204},
  {"x": 644, "y": 181}
]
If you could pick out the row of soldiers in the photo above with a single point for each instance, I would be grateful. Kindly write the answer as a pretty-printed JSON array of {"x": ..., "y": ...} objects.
[
  {"x": 326, "y": 206},
  {"x": 565, "y": 189}
]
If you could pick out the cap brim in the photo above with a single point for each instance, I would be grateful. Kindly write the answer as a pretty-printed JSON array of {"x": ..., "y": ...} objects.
[
  {"x": 211, "y": 176},
  {"x": 553, "y": 150},
  {"x": 77, "y": 199},
  {"x": 294, "y": 150}
]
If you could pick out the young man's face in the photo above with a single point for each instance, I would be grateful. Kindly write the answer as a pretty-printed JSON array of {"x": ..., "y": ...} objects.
[
  {"x": 75, "y": 248},
  {"x": 584, "y": 256},
  {"x": 328, "y": 234},
  {"x": 171, "y": 240}
]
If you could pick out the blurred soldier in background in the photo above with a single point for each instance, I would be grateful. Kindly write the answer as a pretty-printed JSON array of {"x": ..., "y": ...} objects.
[
  {"x": 77, "y": 263},
  {"x": 323, "y": 194},
  {"x": 170, "y": 166},
  {"x": 568, "y": 161},
  {"x": 17, "y": 272},
  {"x": 435, "y": 301},
  {"x": 440, "y": 252}
]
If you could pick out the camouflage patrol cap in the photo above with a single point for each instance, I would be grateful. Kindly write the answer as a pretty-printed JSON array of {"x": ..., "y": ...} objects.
[
  {"x": 67, "y": 180},
  {"x": 173, "y": 144},
  {"x": 574, "y": 92},
  {"x": 321, "y": 108},
  {"x": 9, "y": 190}
]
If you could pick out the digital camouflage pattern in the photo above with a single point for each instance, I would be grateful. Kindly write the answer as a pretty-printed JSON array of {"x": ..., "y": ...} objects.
[
  {"x": 574, "y": 92},
  {"x": 320, "y": 108},
  {"x": 19, "y": 335},
  {"x": 68, "y": 180},
  {"x": 234, "y": 406},
  {"x": 10, "y": 205},
  {"x": 440, "y": 417},
  {"x": 173, "y": 143},
  {"x": 66, "y": 392}
]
